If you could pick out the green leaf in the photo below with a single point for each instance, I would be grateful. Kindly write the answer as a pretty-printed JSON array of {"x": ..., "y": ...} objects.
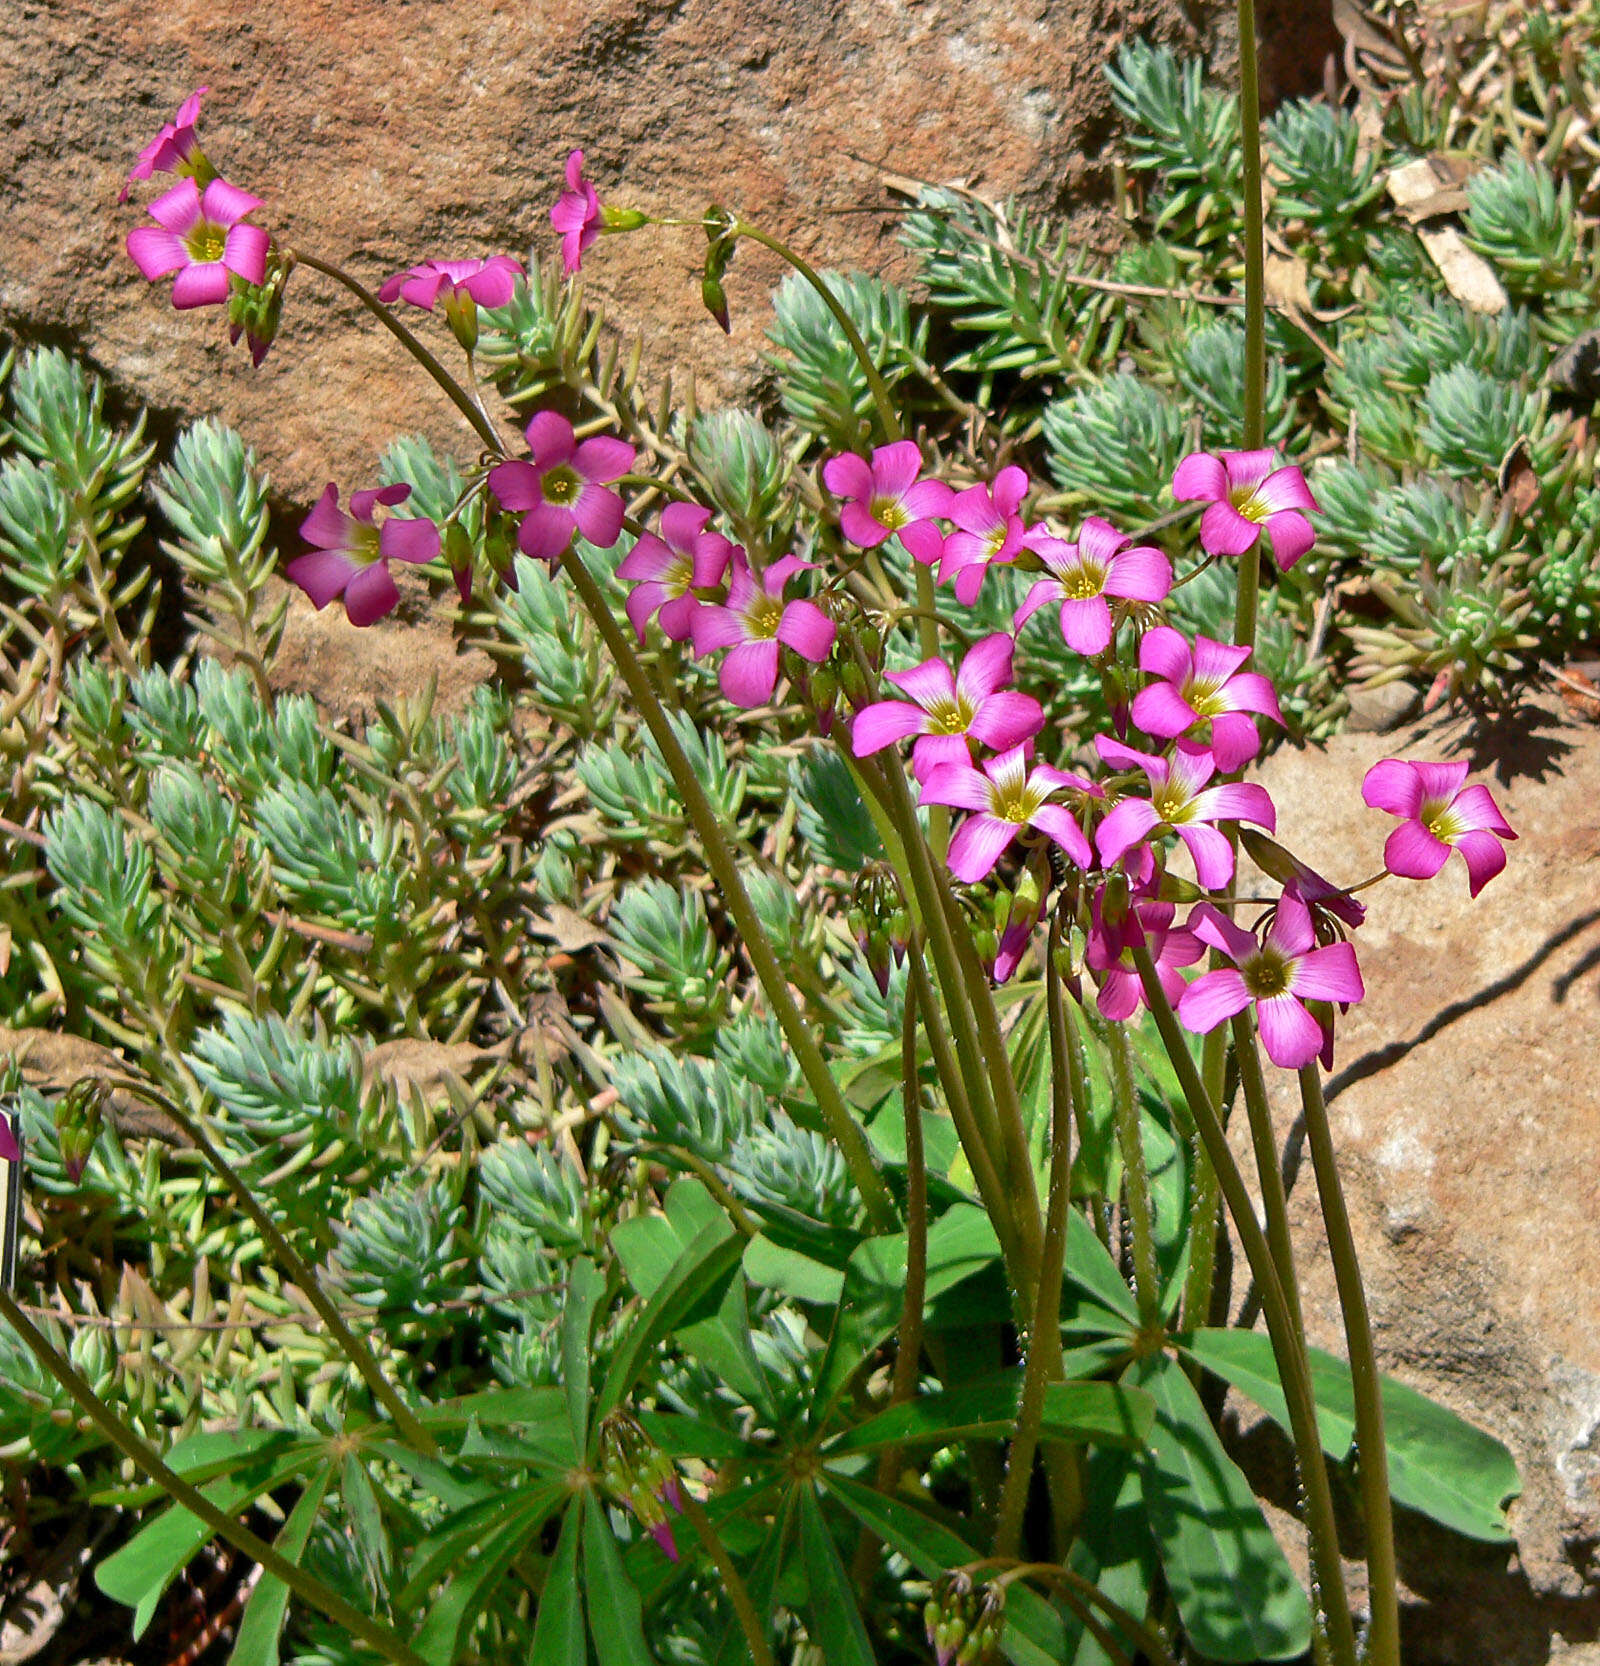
[
  {"x": 584, "y": 1288},
  {"x": 1439, "y": 1464},
  {"x": 833, "y": 1616},
  {"x": 558, "y": 1635},
  {"x": 259, "y": 1630},
  {"x": 1090, "y": 1267},
  {"x": 1079, "y": 1412},
  {"x": 1033, "y": 1635},
  {"x": 1113, "y": 1548},
  {"x": 771, "y": 1266},
  {"x": 616, "y": 1616},
  {"x": 491, "y": 1551},
  {"x": 452, "y": 1541},
  {"x": 1236, "y": 1594},
  {"x": 494, "y": 1408},
  {"x": 696, "y": 1280},
  {"x": 366, "y": 1520}
]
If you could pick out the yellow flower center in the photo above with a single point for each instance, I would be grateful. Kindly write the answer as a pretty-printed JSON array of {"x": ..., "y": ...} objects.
[
  {"x": 1244, "y": 499},
  {"x": 1436, "y": 815},
  {"x": 1084, "y": 582},
  {"x": 764, "y": 617},
  {"x": 888, "y": 511},
  {"x": 952, "y": 717},
  {"x": 207, "y": 241},
  {"x": 561, "y": 485},
  {"x": 1200, "y": 693}
]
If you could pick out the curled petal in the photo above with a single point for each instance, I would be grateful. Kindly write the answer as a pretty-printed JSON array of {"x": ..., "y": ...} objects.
[
  {"x": 370, "y": 595},
  {"x": 1211, "y": 852},
  {"x": 1329, "y": 974},
  {"x": 1484, "y": 855},
  {"x": 847, "y": 476},
  {"x": 1393, "y": 785},
  {"x": 1238, "y": 801},
  {"x": 1058, "y": 821},
  {"x": 1291, "y": 536},
  {"x": 1475, "y": 809},
  {"x": 322, "y": 574},
  {"x": 1200, "y": 475}
]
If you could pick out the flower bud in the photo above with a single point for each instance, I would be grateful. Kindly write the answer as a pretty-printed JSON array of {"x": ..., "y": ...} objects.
[
  {"x": 78, "y": 1117},
  {"x": 641, "y": 1476},
  {"x": 622, "y": 219},
  {"x": 458, "y": 557}
]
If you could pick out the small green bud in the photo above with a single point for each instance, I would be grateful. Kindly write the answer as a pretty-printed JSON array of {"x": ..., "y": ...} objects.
[
  {"x": 716, "y": 302},
  {"x": 622, "y": 219}
]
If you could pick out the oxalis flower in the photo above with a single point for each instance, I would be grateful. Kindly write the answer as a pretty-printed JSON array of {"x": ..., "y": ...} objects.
[
  {"x": 1279, "y": 974},
  {"x": 753, "y": 623},
  {"x": 201, "y": 235},
  {"x": 459, "y": 286},
  {"x": 1180, "y": 799},
  {"x": 1203, "y": 684},
  {"x": 562, "y": 488},
  {"x": 1006, "y": 797},
  {"x": 1246, "y": 494},
  {"x": 1439, "y": 815},
  {"x": 174, "y": 149},
  {"x": 949, "y": 709},
  {"x": 352, "y": 554},
  {"x": 885, "y": 499},
  {"x": 1109, "y": 953},
  {"x": 1085, "y": 573},
  {"x": 988, "y": 531},
  {"x": 665, "y": 572},
  {"x": 577, "y": 215}
]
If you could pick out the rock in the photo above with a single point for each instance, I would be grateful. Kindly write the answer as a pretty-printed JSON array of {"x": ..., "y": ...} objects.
[
  {"x": 385, "y": 133},
  {"x": 1375, "y": 711},
  {"x": 1464, "y": 1105}
]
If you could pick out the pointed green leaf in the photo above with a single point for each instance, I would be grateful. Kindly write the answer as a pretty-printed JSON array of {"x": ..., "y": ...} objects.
[
  {"x": 1237, "y": 1596},
  {"x": 558, "y": 1634},
  {"x": 584, "y": 1289},
  {"x": 1113, "y": 1549},
  {"x": 259, "y": 1630},
  {"x": 616, "y": 1616},
  {"x": 494, "y": 1408},
  {"x": 833, "y": 1616},
  {"x": 366, "y": 1520}
]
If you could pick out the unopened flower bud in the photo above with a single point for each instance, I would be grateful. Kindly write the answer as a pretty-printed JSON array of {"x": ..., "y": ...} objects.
[
  {"x": 641, "y": 1476},
  {"x": 78, "y": 1116},
  {"x": 458, "y": 557}
]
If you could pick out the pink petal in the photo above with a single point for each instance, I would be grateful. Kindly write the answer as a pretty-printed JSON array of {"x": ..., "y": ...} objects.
[
  {"x": 1286, "y": 488},
  {"x": 550, "y": 439},
  {"x": 1252, "y": 692},
  {"x": 1475, "y": 809},
  {"x": 676, "y": 617},
  {"x": 1086, "y": 624},
  {"x": 1248, "y": 468},
  {"x": 847, "y": 476},
  {"x": 895, "y": 467},
  {"x": 777, "y": 573},
  {"x": 362, "y": 504},
  {"x": 750, "y": 673},
  {"x": 974, "y": 512},
  {"x": 327, "y": 525},
  {"x": 1224, "y": 531},
  {"x": 1441, "y": 782},
  {"x": 496, "y": 283},
  {"x": 1006, "y": 718},
  {"x": 1237, "y": 801},
  {"x": 1213, "y": 928},
  {"x": 1099, "y": 541},
  {"x": 598, "y": 513},
  {"x": 603, "y": 458},
  {"x": 1164, "y": 652},
  {"x": 979, "y": 842},
  {"x": 1291, "y": 933},
  {"x": 370, "y": 595},
  {"x": 1039, "y": 592},
  {"x": 1216, "y": 662},
  {"x": 882, "y": 724},
  {"x": 929, "y": 684},
  {"x": 574, "y": 169},
  {"x": 545, "y": 532},
  {"x": 1058, "y": 821},
  {"x": 643, "y": 600},
  {"x": 969, "y": 581},
  {"x": 1142, "y": 574},
  {"x": 935, "y": 751},
  {"x": 1120, "y": 994},
  {"x": 204, "y": 284},
  {"x": 648, "y": 559},
  {"x": 1010, "y": 488},
  {"x": 960, "y": 786},
  {"x": 178, "y": 209},
  {"x": 923, "y": 541},
  {"x": 1393, "y": 785},
  {"x": 857, "y": 524},
  {"x": 408, "y": 538},
  {"x": 986, "y": 667},
  {"x": 1413, "y": 852},
  {"x": 1485, "y": 856},
  {"x": 1290, "y": 535},
  {"x": 1291, "y": 1036},
  {"x": 322, "y": 574},
  {"x": 1160, "y": 710},
  {"x": 10, "y": 1151},
  {"x": 926, "y": 497},
  {"x": 516, "y": 485},
  {"x": 1212, "y": 999},
  {"x": 156, "y": 251},
  {"x": 808, "y": 630},
  {"x": 1234, "y": 740},
  {"x": 716, "y": 627},
  {"x": 1127, "y": 824},
  {"x": 1328, "y": 974},
  {"x": 1212, "y": 854},
  {"x": 224, "y": 202},
  {"x": 1200, "y": 475}
]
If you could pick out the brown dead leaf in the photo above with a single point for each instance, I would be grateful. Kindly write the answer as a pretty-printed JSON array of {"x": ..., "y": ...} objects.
[
  {"x": 1287, "y": 282},
  {"x": 428, "y": 1067},
  {"x": 52, "y": 1063}
]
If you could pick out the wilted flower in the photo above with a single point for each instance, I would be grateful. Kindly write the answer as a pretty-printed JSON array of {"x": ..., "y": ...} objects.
[
  {"x": 562, "y": 490},
  {"x": 459, "y": 286},
  {"x": 201, "y": 235},
  {"x": 174, "y": 149},
  {"x": 352, "y": 554},
  {"x": 1246, "y": 494},
  {"x": 1440, "y": 815},
  {"x": 577, "y": 215},
  {"x": 1109, "y": 954}
]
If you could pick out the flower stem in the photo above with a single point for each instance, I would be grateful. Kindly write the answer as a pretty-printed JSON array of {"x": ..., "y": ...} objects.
[
  {"x": 1255, "y": 303},
  {"x": 1044, "y": 1350},
  {"x": 738, "y": 1592},
  {"x": 453, "y": 390},
  {"x": 1135, "y": 1179},
  {"x": 1288, "y": 1349},
  {"x": 360, "y": 1356},
  {"x": 306, "y": 1586},
  {"x": 1383, "y": 1636},
  {"x": 724, "y": 870}
]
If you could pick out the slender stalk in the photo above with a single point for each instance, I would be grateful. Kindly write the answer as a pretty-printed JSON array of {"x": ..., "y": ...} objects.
[
  {"x": 744, "y": 1608},
  {"x": 1255, "y": 303},
  {"x": 1289, "y": 1351},
  {"x": 1275, "y": 1204},
  {"x": 307, "y": 1587},
  {"x": 1383, "y": 1636},
  {"x": 1044, "y": 1359},
  {"x": 1135, "y": 1180},
  {"x": 724, "y": 870},
  {"x": 360, "y": 1356},
  {"x": 453, "y": 390},
  {"x": 1149, "y": 1640}
]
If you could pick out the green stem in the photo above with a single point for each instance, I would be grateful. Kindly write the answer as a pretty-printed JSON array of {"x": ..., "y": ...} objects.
[
  {"x": 360, "y": 1356},
  {"x": 1135, "y": 1180},
  {"x": 738, "y": 1592},
  {"x": 1274, "y": 1202},
  {"x": 1383, "y": 1637},
  {"x": 307, "y": 1587},
  {"x": 1255, "y": 303},
  {"x": 1066, "y": 1579},
  {"x": 1044, "y": 1351},
  {"x": 753, "y": 936},
  {"x": 453, "y": 390},
  {"x": 1288, "y": 1349}
]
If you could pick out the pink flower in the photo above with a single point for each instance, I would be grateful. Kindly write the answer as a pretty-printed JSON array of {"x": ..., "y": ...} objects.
[
  {"x": 1085, "y": 573},
  {"x": 666, "y": 574},
  {"x": 1279, "y": 974},
  {"x": 352, "y": 554},
  {"x": 171, "y": 148},
  {"x": 577, "y": 215},
  {"x": 989, "y": 531},
  {"x": 488, "y": 283},
  {"x": 888, "y": 498},
  {"x": 10, "y": 1151},
  {"x": 561, "y": 490},
  {"x": 201, "y": 236},
  {"x": 1180, "y": 799},
  {"x": 1247, "y": 493},
  {"x": 1440, "y": 815},
  {"x": 1200, "y": 684},
  {"x": 1006, "y": 797},
  {"x": 948, "y": 709},
  {"x": 752, "y": 624},
  {"x": 1109, "y": 954}
]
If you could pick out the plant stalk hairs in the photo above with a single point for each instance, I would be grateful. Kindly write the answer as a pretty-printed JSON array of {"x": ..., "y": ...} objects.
[{"x": 908, "y": 1332}]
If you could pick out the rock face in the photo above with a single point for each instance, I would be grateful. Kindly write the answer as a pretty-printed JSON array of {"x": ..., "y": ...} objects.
[
  {"x": 1465, "y": 1105},
  {"x": 380, "y": 132}
]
